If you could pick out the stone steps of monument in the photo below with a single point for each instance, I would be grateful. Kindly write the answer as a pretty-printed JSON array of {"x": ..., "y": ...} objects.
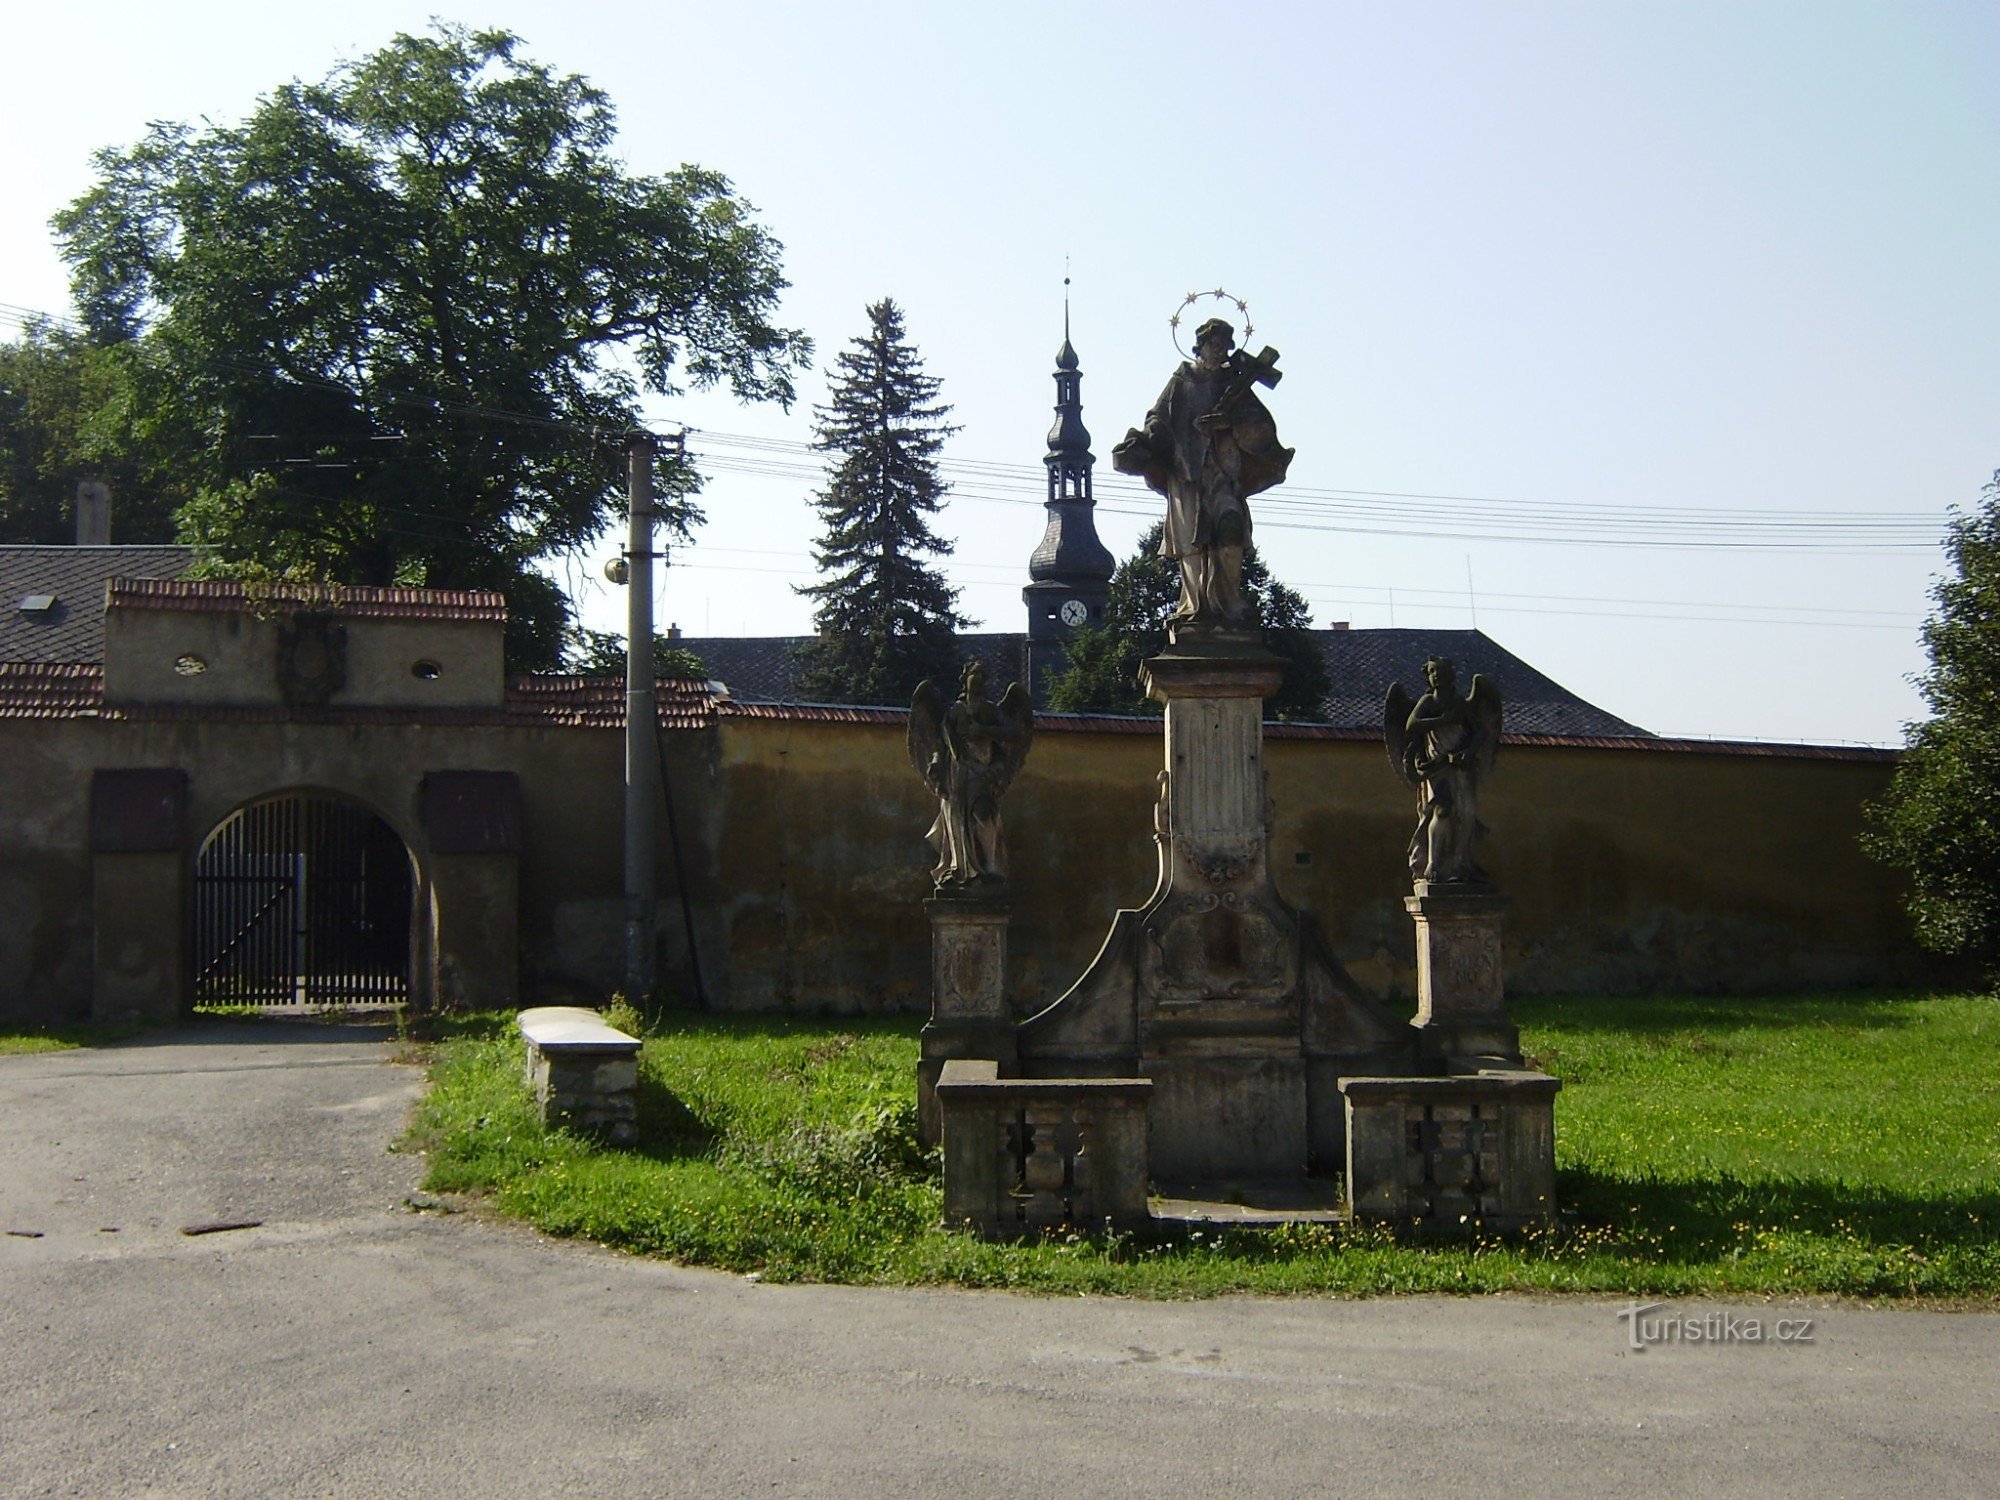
[{"x": 1250, "y": 1201}]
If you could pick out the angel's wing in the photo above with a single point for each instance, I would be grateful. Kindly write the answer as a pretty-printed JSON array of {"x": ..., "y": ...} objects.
[
  {"x": 1019, "y": 713},
  {"x": 927, "y": 709},
  {"x": 1396, "y": 731},
  {"x": 1484, "y": 703}
]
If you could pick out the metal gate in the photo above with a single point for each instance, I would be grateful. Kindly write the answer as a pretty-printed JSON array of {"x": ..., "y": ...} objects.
[{"x": 302, "y": 902}]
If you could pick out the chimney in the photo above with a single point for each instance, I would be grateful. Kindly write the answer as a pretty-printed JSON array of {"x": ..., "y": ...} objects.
[
  {"x": 93, "y": 513},
  {"x": 673, "y": 632},
  {"x": 1338, "y": 625}
]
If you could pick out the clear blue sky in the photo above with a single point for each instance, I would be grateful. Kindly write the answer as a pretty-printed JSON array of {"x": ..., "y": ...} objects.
[{"x": 1598, "y": 268}]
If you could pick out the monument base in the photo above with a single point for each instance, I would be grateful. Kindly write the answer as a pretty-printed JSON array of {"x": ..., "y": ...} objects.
[
  {"x": 969, "y": 1016},
  {"x": 1454, "y": 1154},
  {"x": 1216, "y": 989},
  {"x": 1461, "y": 979}
]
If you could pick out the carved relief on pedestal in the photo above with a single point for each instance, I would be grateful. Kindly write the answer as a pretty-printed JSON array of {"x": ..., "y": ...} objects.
[
  {"x": 1465, "y": 965},
  {"x": 967, "y": 980},
  {"x": 968, "y": 958},
  {"x": 1206, "y": 945}
]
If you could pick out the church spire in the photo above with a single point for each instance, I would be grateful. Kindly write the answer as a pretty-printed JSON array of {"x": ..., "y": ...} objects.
[{"x": 1070, "y": 567}]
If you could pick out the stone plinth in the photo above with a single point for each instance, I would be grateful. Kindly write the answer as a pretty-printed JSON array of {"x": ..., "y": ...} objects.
[
  {"x": 969, "y": 1016},
  {"x": 1216, "y": 989},
  {"x": 584, "y": 1072},
  {"x": 1461, "y": 980},
  {"x": 1025, "y": 1156},
  {"x": 1453, "y": 1153}
]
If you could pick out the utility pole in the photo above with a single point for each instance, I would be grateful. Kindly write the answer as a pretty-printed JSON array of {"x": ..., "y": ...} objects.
[{"x": 642, "y": 729}]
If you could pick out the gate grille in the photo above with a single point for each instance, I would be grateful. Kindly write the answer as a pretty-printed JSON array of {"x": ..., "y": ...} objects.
[{"x": 302, "y": 902}]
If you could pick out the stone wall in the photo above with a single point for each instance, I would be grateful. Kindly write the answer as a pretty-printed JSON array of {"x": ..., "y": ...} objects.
[
  {"x": 492, "y": 929},
  {"x": 802, "y": 854},
  {"x": 1731, "y": 869}
]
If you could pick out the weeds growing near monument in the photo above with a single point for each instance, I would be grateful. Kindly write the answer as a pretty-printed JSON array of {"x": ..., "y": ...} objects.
[{"x": 1812, "y": 1145}]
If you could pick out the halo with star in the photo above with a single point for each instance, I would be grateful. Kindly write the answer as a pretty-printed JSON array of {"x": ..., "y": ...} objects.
[{"x": 1194, "y": 299}]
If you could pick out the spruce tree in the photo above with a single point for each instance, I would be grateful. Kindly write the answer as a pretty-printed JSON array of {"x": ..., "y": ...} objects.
[
  {"x": 885, "y": 619},
  {"x": 1103, "y": 671}
]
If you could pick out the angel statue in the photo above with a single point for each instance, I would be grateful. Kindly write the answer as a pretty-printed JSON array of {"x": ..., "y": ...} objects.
[
  {"x": 1443, "y": 745},
  {"x": 968, "y": 753}
]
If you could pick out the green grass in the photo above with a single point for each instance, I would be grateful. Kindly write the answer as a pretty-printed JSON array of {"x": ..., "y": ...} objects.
[
  {"x": 1818, "y": 1145},
  {"x": 15, "y": 1041}
]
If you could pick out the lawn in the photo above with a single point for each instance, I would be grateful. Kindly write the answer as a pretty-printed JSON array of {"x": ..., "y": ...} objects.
[
  {"x": 18, "y": 1040},
  {"x": 1805, "y": 1145}
]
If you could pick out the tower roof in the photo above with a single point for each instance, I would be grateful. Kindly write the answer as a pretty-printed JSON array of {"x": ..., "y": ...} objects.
[{"x": 1069, "y": 552}]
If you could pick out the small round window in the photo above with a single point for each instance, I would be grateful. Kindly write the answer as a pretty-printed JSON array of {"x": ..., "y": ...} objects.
[
  {"x": 190, "y": 665},
  {"x": 426, "y": 671}
]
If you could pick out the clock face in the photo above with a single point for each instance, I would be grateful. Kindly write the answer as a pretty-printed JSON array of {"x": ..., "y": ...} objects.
[{"x": 1074, "y": 612}]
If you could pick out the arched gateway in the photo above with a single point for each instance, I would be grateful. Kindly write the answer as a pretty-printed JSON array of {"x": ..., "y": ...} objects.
[{"x": 302, "y": 902}]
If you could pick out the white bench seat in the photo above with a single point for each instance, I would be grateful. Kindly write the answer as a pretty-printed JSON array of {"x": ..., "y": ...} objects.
[
  {"x": 570, "y": 1028},
  {"x": 584, "y": 1071}
]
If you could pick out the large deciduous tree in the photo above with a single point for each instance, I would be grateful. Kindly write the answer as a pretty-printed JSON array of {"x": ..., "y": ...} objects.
[
  {"x": 886, "y": 617},
  {"x": 72, "y": 410},
  {"x": 398, "y": 302},
  {"x": 1940, "y": 818},
  {"x": 1102, "y": 675}
]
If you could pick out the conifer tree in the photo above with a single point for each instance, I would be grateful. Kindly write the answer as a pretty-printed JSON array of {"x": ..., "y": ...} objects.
[
  {"x": 886, "y": 618},
  {"x": 1103, "y": 671}
]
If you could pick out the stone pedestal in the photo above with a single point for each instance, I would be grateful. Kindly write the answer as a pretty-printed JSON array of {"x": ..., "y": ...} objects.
[
  {"x": 969, "y": 1017},
  {"x": 1026, "y": 1156},
  {"x": 1216, "y": 989},
  {"x": 1454, "y": 1154},
  {"x": 1461, "y": 981}
]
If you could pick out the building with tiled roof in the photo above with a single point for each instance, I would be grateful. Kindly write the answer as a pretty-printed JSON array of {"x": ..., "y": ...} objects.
[
  {"x": 1360, "y": 665},
  {"x": 52, "y": 598}
]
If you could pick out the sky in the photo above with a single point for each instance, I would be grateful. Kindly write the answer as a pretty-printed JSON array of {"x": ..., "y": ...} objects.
[{"x": 1656, "y": 341}]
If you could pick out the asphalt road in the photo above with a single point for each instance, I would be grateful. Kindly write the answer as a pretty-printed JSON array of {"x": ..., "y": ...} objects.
[{"x": 352, "y": 1346}]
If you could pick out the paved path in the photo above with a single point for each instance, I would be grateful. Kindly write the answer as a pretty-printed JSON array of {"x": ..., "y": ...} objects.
[{"x": 352, "y": 1347}]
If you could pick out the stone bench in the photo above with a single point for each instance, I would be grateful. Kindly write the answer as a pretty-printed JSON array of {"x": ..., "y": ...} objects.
[
  {"x": 1455, "y": 1153},
  {"x": 1024, "y": 1155},
  {"x": 583, "y": 1071}
]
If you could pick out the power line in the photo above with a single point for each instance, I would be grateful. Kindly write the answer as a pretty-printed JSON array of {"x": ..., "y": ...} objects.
[{"x": 1305, "y": 508}]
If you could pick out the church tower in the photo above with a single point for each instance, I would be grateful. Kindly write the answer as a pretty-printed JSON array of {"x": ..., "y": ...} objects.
[{"x": 1070, "y": 568}]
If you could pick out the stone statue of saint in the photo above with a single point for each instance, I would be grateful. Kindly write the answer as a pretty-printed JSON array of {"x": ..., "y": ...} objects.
[
  {"x": 1208, "y": 445},
  {"x": 1444, "y": 745},
  {"x": 968, "y": 753}
]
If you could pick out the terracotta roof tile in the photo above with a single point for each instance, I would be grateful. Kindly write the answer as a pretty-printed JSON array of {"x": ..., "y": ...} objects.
[
  {"x": 50, "y": 690},
  {"x": 1149, "y": 724},
  {"x": 67, "y": 690},
  {"x": 354, "y": 600},
  {"x": 599, "y": 702}
]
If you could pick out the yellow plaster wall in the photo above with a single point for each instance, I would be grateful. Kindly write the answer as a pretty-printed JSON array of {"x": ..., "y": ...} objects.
[
  {"x": 1629, "y": 870},
  {"x": 802, "y": 857}
]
